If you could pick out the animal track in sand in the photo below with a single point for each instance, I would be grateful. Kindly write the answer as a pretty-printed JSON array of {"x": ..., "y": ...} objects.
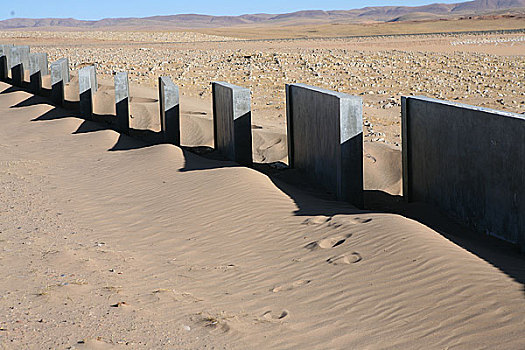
[
  {"x": 326, "y": 243},
  {"x": 290, "y": 286},
  {"x": 345, "y": 259},
  {"x": 270, "y": 316}
]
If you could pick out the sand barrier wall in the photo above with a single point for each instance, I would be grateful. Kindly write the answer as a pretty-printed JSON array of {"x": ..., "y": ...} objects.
[
  {"x": 87, "y": 86},
  {"x": 169, "y": 110},
  {"x": 466, "y": 160},
  {"x": 18, "y": 63},
  {"x": 232, "y": 122},
  {"x": 122, "y": 101},
  {"x": 325, "y": 139},
  {"x": 4, "y": 65},
  {"x": 38, "y": 67},
  {"x": 59, "y": 77}
]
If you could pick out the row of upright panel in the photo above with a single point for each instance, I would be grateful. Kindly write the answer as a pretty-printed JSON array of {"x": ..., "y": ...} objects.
[
  {"x": 468, "y": 161},
  {"x": 324, "y": 127},
  {"x": 324, "y": 133},
  {"x": 17, "y": 60}
]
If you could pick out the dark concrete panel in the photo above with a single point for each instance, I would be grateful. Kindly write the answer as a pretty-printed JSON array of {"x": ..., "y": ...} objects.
[
  {"x": 468, "y": 161},
  {"x": 325, "y": 139},
  {"x": 38, "y": 66},
  {"x": 232, "y": 122},
  {"x": 59, "y": 77},
  {"x": 122, "y": 101},
  {"x": 169, "y": 110},
  {"x": 18, "y": 61},
  {"x": 4, "y": 65},
  {"x": 87, "y": 86}
]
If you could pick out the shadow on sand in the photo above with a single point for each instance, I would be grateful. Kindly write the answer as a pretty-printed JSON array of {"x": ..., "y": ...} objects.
[{"x": 310, "y": 199}]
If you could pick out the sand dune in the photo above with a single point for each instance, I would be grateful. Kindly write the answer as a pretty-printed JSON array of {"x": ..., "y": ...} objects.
[
  {"x": 382, "y": 162},
  {"x": 111, "y": 242}
]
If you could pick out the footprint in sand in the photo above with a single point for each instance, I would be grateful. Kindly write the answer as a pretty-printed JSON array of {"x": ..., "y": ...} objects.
[
  {"x": 270, "y": 316},
  {"x": 361, "y": 220},
  {"x": 339, "y": 221},
  {"x": 345, "y": 259},
  {"x": 217, "y": 324},
  {"x": 326, "y": 243},
  {"x": 317, "y": 220},
  {"x": 289, "y": 286},
  {"x": 370, "y": 158}
]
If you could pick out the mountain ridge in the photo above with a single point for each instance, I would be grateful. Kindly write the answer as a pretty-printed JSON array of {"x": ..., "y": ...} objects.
[{"x": 195, "y": 21}]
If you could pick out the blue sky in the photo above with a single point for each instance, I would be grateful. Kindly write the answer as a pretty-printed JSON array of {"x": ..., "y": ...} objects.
[{"x": 97, "y": 9}]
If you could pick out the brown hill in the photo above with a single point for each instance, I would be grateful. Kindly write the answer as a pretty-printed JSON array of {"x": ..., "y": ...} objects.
[{"x": 367, "y": 14}]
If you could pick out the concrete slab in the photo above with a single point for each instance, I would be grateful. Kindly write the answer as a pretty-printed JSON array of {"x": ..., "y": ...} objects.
[
  {"x": 122, "y": 101},
  {"x": 169, "y": 110},
  {"x": 18, "y": 61},
  {"x": 38, "y": 66},
  {"x": 325, "y": 139},
  {"x": 468, "y": 161},
  {"x": 232, "y": 122},
  {"x": 87, "y": 85},
  {"x": 59, "y": 77},
  {"x": 4, "y": 66}
]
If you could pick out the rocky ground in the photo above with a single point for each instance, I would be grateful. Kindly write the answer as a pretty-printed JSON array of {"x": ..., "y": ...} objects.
[{"x": 482, "y": 70}]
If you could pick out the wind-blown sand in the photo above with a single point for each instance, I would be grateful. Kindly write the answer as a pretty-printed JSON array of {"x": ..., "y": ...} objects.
[{"x": 108, "y": 242}]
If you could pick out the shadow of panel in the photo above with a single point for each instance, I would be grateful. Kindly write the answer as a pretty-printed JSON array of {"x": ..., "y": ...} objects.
[
  {"x": 172, "y": 127},
  {"x": 35, "y": 83},
  {"x": 45, "y": 92},
  {"x": 3, "y": 68},
  {"x": 11, "y": 89},
  {"x": 86, "y": 104},
  {"x": 122, "y": 111},
  {"x": 108, "y": 119},
  {"x": 204, "y": 158},
  {"x": 57, "y": 93},
  {"x": 502, "y": 255},
  {"x": 351, "y": 177},
  {"x": 242, "y": 131},
  {"x": 53, "y": 114},
  {"x": 89, "y": 126},
  {"x": 310, "y": 197},
  {"x": 71, "y": 105},
  {"x": 17, "y": 75},
  {"x": 150, "y": 136},
  {"x": 126, "y": 143},
  {"x": 34, "y": 100}
]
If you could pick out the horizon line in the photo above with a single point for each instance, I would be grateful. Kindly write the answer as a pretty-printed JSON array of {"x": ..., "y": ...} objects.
[{"x": 235, "y": 15}]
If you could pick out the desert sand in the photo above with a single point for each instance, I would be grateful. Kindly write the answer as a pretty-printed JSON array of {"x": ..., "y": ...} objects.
[
  {"x": 108, "y": 242},
  {"x": 111, "y": 242}
]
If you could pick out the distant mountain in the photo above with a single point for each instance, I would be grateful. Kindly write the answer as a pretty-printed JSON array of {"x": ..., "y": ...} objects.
[
  {"x": 367, "y": 14},
  {"x": 482, "y": 5}
]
